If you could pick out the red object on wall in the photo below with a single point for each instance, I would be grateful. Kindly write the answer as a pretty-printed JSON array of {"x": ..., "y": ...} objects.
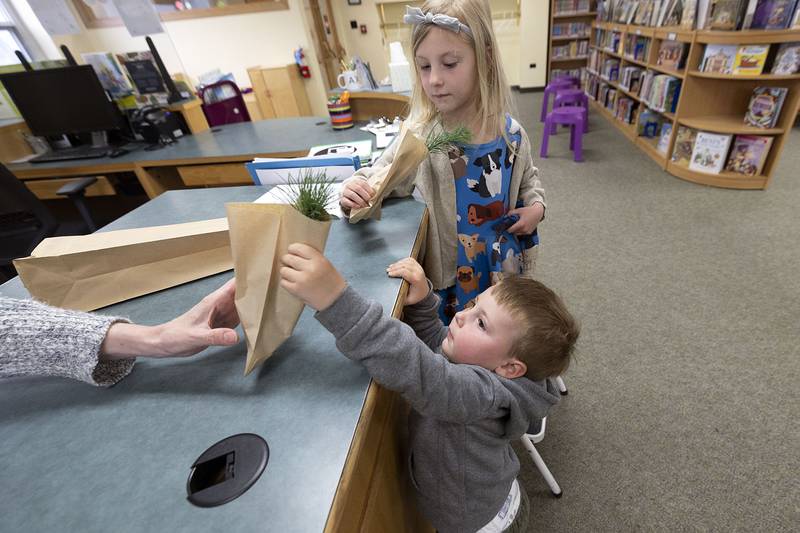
[{"x": 363, "y": 28}]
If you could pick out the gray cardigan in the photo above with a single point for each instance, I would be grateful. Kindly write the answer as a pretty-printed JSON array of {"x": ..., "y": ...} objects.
[
  {"x": 463, "y": 417},
  {"x": 36, "y": 339}
]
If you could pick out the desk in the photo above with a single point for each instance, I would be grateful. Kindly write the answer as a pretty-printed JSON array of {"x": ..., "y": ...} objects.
[
  {"x": 77, "y": 458},
  {"x": 213, "y": 157}
]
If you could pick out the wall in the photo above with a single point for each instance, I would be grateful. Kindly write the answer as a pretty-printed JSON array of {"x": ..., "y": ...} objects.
[
  {"x": 534, "y": 28},
  {"x": 231, "y": 43},
  {"x": 369, "y": 46}
]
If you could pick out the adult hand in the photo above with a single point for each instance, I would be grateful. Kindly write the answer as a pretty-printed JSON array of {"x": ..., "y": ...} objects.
[
  {"x": 356, "y": 194},
  {"x": 412, "y": 272},
  {"x": 529, "y": 218},
  {"x": 209, "y": 323},
  {"x": 308, "y": 275}
]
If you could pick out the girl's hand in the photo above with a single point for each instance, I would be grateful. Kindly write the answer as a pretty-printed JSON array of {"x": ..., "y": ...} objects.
[
  {"x": 308, "y": 275},
  {"x": 356, "y": 194},
  {"x": 529, "y": 218},
  {"x": 412, "y": 272}
]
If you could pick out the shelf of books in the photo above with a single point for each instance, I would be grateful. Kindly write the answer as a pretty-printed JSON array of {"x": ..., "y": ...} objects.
[
  {"x": 570, "y": 30},
  {"x": 709, "y": 89}
]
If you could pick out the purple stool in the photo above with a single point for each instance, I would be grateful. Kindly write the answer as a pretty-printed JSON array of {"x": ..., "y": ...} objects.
[
  {"x": 554, "y": 87},
  {"x": 568, "y": 115},
  {"x": 573, "y": 97}
]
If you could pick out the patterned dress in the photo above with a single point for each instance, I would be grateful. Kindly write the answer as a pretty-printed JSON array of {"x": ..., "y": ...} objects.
[{"x": 486, "y": 249}]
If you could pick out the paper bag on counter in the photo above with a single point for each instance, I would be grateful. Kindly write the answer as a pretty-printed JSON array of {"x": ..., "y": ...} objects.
[
  {"x": 86, "y": 272},
  {"x": 260, "y": 234},
  {"x": 411, "y": 151}
]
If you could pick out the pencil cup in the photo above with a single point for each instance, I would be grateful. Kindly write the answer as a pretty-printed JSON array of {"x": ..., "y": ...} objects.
[{"x": 341, "y": 117}]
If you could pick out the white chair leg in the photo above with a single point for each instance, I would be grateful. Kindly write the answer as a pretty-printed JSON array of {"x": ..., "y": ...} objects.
[
  {"x": 539, "y": 462},
  {"x": 561, "y": 385}
]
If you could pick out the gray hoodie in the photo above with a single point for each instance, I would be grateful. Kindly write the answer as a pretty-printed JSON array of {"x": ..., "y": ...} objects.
[{"x": 463, "y": 417}]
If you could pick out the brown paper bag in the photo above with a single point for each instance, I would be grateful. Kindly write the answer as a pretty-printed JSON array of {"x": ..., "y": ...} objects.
[
  {"x": 260, "y": 235},
  {"x": 411, "y": 152},
  {"x": 87, "y": 272}
]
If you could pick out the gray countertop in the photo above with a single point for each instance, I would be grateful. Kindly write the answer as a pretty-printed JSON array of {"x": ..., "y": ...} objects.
[
  {"x": 245, "y": 139},
  {"x": 78, "y": 458}
]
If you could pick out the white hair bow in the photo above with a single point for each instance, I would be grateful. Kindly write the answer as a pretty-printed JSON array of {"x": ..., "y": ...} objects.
[{"x": 415, "y": 16}]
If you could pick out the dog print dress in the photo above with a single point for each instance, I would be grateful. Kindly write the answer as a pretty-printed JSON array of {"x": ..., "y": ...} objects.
[{"x": 486, "y": 249}]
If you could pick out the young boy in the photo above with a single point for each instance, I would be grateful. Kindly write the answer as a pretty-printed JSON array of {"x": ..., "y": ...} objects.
[{"x": 474, "y": 387}]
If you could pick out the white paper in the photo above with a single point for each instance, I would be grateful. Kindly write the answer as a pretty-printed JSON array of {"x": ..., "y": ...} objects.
[
  {"x": 55, "y": 16},
  {"x": 139, "y": 16},
  {"x": 280, "y": 194}
]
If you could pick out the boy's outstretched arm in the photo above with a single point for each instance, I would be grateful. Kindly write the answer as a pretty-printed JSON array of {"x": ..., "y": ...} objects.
[
  {"x": 421, "y": 310},
  {"x": 388, "y": 348}
]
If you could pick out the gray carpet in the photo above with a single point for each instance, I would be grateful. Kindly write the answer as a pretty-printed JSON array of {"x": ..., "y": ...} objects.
[{"x": 683, "y": 408}]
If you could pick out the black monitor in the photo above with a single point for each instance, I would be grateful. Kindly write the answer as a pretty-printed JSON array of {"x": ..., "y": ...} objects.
[{"x": 63, "y": 100}]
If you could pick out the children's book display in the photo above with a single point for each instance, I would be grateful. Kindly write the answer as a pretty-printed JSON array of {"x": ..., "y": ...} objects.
[
  {"x": 684, "y": 145},
  {"x": 765, "y": 105},
  {"x": 726, "y": 15},
  {"x": 750, "y": 59},
  {"x": 748, "y": 154},
  {"x": 670, "y": 54},
  {"x": 719, "y": 58},
  {"x": 710, "y": 152},
  {"x": 787, "y": 60}
]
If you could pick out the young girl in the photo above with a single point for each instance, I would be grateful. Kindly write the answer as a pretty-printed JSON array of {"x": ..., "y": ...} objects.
[{"x": 484, "y": 199}]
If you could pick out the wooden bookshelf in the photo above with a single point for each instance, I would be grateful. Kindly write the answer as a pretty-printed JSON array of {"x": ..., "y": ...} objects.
[
  {"x": 577, "y": 62},
  {"x": 710, "y": 102}
]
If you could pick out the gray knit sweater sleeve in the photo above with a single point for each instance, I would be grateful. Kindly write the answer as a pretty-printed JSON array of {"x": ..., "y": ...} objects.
[
  {"x": 400, "y": 361},
  {"x": 36, "y": 339}
]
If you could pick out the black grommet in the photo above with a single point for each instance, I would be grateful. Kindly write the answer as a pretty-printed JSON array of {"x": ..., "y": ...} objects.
[{"x": 226, "y": 470}]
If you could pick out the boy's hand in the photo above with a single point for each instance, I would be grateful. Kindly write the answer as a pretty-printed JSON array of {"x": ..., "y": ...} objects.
[
  {"x": 356, "y": 194},
  {"x": 308, "y": 275},
  {"x": 412, "y": 272},
  {"x": 529, "y": 218}
]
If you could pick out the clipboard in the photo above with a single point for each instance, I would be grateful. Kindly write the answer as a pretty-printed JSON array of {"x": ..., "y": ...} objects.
[{"x": 277, "y": 171}]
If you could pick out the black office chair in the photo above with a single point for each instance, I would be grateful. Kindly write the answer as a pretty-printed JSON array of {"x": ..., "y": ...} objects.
[{"x": 25, "y": 220}]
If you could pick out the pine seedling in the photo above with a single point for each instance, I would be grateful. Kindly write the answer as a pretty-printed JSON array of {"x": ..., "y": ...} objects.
[
  {"x": 442, "y": 141},
  {"x": 310, "y": 192}
]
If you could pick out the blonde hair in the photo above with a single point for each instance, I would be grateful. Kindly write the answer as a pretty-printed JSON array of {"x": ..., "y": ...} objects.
[{"x": 494, "y": 96}]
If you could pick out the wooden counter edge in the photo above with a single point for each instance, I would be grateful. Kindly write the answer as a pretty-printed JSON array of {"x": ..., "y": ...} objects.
[{"x": 377, "y": 449}]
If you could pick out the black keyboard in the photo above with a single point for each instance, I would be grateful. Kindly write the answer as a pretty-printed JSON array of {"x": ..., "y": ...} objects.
[{"x": 79, "y": 152}]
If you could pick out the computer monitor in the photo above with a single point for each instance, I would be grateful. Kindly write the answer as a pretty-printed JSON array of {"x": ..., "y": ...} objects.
[{"x": 63, "y": 100}]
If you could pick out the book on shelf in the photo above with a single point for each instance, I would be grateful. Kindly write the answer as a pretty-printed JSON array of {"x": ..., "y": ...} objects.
[
  {"x": 749, "y": 12},
  {"x": 701, "y": 16},
  {"x": 795, "y": 24},
  {"x": 787, "y": 60},
  {"x": 765, "y": 105},
  {"x": 773, "y": 14},
  {"x": 629, "y": 79},
  {"x": 670, "y": 54},
  {"x": 719, "y": 58},
  {"x": 750, "y": 59},
  {"x": 663, "y": 140},
  {"x": 571, "y": 7},
  {"x": 710, "y": 152},
  {"x": 684, "y": 145},
  {"x": 635, "y": 47},
  {"x": 649, "y": 124},
  {"x": 748, "y": 154},
  {"x": 688, "y": 15},
  {"x": 724, "y": 14},
  {"x": 671, "y": 14}
]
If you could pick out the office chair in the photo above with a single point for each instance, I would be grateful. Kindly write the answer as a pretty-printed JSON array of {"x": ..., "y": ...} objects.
[
  {"x": 534, "y": 436},
  {"x": 25, "y": 220}
]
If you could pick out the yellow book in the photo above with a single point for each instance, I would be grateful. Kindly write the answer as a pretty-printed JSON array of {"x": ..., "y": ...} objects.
[{"x": 750, "y": 59}]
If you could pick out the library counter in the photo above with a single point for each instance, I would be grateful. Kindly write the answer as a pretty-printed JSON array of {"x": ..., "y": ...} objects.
[
  {"x": 76, "y": 457},
  {"x": 213, "y": 157}
]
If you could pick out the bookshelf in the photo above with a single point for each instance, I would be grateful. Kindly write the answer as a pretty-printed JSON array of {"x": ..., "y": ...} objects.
[
  {"x": 570, "y": 31},
  {"x": 707, "y": 101}
]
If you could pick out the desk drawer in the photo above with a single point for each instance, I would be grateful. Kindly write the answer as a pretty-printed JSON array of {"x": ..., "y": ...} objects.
[
  {"x": 226, "y": 174},
  {"x": 46, "y": 189}
]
